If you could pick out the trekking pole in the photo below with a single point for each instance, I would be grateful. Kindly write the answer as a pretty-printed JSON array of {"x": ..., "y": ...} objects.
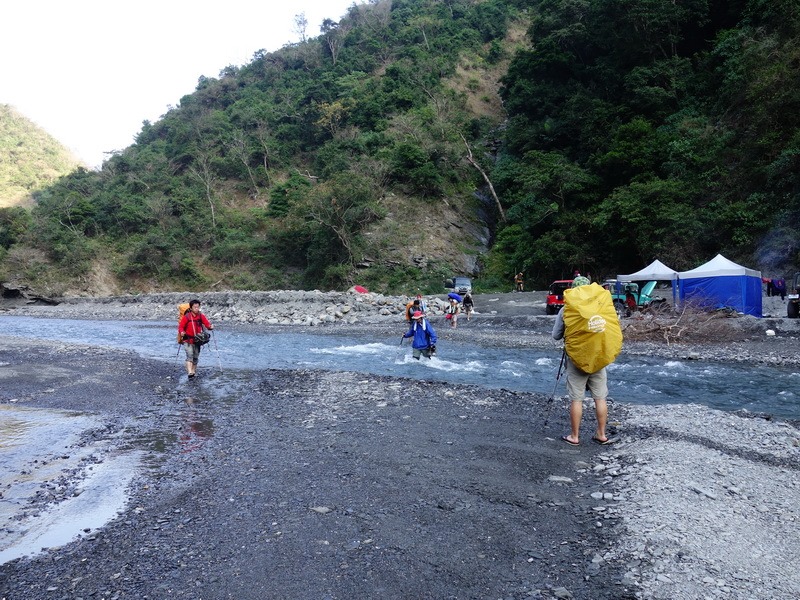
[
  {"x": 553, "y": 395},
  {"x": 400, "y": 352},
  {"x": 219, "y": 360}
]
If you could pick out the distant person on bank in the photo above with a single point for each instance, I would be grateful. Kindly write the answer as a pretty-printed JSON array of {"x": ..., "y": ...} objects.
[
  {"x": 519, "y": 282},
  {"x": 779, "y": 287},
  {"x": 423, "y": 334},
  {"x": 468, "y": 305},
  {"x": 192, "y": 324},
  {"x": 768, "y": 282}
]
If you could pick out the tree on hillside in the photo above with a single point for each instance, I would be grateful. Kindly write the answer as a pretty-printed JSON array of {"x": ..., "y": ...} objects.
[
  {"x": 670, "y": 113},
  {"x": 627, "y": 129},
  {"x": 30, "y": 158}
]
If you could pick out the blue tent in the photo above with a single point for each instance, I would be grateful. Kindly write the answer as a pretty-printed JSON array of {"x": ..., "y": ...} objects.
[{"x": 721, "y": 283}]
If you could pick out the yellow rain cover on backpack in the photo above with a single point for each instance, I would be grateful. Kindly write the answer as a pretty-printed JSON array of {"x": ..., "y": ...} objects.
[
  {"x": 592, "y": 335},
  {"x": 182, "y": 308}
]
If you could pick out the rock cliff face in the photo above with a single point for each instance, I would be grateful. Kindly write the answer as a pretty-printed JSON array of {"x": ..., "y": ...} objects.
[
  {"x": 22, "y": 294},
  {"x": 451, "y": 234}
]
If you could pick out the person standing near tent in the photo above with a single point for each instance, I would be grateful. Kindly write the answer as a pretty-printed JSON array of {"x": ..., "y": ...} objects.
[
  {"x": 577, "y": 383},
  {"x": 190, "y": 326},
  {"x": 768, "y": 282},
  {"x": 779, "y": 287},
  {"x": 423, "y": 334}
]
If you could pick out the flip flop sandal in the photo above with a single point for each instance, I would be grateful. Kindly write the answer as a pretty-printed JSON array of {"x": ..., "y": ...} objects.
[{"x": 604, "y": 442}]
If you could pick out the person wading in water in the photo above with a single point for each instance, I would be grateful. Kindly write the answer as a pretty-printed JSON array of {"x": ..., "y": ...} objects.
[
  {"x": 190, "y": 332},
  {"x": 424, "y": 337}
]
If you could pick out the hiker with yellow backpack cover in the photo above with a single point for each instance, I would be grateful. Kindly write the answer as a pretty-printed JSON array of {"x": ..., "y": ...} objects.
[{"x": 589, "y": 325}]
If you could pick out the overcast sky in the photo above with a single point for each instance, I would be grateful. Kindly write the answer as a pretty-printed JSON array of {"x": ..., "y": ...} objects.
[{"x": 90, "y": 71}]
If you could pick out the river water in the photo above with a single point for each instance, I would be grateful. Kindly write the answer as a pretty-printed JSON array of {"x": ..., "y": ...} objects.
[
  {"x": 758, "y": 389},
  {"x": 27, "y": 435}
]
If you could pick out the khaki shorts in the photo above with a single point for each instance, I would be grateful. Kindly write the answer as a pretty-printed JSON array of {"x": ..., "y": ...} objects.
[
  {"x": 192, "y": 352},
  {"x": 578, "y": 382}
]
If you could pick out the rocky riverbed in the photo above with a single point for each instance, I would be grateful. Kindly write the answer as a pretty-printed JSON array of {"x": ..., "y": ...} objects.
[{"x": 305, "y": 484}]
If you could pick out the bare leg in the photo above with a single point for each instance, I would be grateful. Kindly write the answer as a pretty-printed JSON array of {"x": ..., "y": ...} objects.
[
  {"x": 601, "y": 410},
  {"x": 575, "y": 414},
  {"x": 189, "y": 369}
]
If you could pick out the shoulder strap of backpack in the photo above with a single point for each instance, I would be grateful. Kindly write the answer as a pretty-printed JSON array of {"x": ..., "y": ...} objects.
[{"x": 194, "y": 323}]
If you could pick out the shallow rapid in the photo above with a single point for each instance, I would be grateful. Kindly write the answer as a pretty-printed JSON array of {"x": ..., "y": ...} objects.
[{"x": 634, "y": 379}]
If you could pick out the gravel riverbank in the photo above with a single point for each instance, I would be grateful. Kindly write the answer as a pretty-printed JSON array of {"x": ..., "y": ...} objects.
[{"x": 305, "y": 484}]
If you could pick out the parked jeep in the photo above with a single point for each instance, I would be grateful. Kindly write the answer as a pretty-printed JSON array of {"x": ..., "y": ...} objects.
[
  {"x": 555, "y": 299},
  {"x": 628, "y": 297}
]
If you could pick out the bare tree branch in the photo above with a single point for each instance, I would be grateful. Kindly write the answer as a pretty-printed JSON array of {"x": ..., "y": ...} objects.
[
  {"x": 201, "y": 170},
  {"x": 475, "y": 164}
]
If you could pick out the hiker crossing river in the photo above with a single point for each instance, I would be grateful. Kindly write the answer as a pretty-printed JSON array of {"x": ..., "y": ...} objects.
[{"x": 633, "y": 379}]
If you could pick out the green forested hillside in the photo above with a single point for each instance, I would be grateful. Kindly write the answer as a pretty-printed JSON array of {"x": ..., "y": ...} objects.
[
  {"x": 611, "y": 133},
  {"x": 642, "y": 129},
  {"x": 30, "y": 158}
]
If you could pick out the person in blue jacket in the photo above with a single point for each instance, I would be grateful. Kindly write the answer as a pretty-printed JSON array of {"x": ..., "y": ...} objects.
[{"x": 424, "y": 342}]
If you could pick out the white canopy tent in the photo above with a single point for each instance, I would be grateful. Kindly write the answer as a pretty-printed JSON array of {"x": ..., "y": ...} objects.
[
  {"x": 719, "y": 266},
  {"x": 655, "y": 271}
]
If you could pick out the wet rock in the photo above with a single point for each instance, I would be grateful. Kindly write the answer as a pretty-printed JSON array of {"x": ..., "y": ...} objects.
[{"x": 559, "y": 479}]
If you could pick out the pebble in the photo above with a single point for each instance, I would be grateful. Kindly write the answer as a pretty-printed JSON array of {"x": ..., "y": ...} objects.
[{"x": 717, "y": 508}]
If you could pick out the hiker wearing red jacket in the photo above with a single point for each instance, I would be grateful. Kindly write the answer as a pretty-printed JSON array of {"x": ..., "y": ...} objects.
[{"x": 191, "y": 325}]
